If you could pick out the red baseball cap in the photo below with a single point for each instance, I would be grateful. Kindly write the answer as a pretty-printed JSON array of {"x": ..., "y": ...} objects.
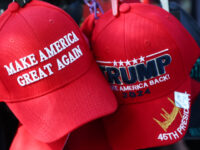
[
  {"x": 146, "y": 55},
  {"x": 49, "y": 78},
  {"x": 90, "y": 136},
  {"x": 23, "y": 140}
]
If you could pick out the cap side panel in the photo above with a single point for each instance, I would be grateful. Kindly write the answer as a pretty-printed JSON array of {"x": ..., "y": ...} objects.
[
  {"x": 64, "y": 13},
  {"x": 27, "y": 39},
  {"x": 183, "y": 39}
]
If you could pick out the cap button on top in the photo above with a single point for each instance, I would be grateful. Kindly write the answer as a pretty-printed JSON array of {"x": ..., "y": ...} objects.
[
  {"x": 13, "y": 7},
  {"x": 125, "y": 7}
]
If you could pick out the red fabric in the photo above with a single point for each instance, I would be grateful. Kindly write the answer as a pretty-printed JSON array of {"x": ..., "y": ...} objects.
[
  {"x": 87, "y": 26},
  {"x": 88, "y": 137},
  {"x": 91, "y": 136},
  {"x": 131, "y": 1},
  {"x": 49, "y": 78},
  {"x": 24, "y": 141},
  {"x": 129, "y": 49},
  {"x": 137, "y": 123},
  {"x": 146, "y": 1}
]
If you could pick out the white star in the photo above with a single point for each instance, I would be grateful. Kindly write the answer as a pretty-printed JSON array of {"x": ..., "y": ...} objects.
[
  {"x": 115, "y": 63},
  {"x": 128, "y": 63},
  {"x": 135, "y": 61},
  {"x": 121, "y": 63},
  {"x": 141, "y": 59}
]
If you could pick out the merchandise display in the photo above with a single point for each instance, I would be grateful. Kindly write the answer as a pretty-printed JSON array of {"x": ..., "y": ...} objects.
[
  {"x": 146, "y": 55},
  {"x": 53, "y": 84},
  {"x": 99, "y": 75}
]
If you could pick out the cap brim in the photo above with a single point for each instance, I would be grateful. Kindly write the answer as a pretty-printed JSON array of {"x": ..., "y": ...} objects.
[
  {"x": 54, "y": 115},
  {"x": 150, "y": 124},
  {"x": 24, "y": 141}
]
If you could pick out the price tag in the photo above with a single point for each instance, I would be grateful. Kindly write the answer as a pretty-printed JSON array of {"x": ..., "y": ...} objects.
[
  {"x": 182, "y": 100},
  {"x": 165, "y": 4}
]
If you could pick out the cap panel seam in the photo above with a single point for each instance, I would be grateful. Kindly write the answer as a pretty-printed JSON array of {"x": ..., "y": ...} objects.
[
  {"x": 5, "y": 19},
  {"x": 168, "y": 34},
  {"x": 100, "y": 32},
  {"x": 164, "y": 29},
  {"x": 124, "y": 28},
  {"x": 83, "y": 43},
  {"x": 68, "y": 17},
  {"x": 28, "y": 24}
]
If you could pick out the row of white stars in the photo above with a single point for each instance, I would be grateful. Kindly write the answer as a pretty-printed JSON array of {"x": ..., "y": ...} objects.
[
  {"x": 128, "y": 62},
  {"x": 124, "y": 63}
]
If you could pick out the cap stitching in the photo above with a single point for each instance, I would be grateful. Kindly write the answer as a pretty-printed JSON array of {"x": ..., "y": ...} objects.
[
  {"x": 5, "y": 19},
  {"x": 105, "y": 26},
  {"x": 82, "y": 42},
  {"x": 179, "y": 52},
  {"x": 49, "y": 91},
  {"x": 64, "y": 13},
  {"x": 30, "y": 28},
  {"x": 164, "y": 29}
]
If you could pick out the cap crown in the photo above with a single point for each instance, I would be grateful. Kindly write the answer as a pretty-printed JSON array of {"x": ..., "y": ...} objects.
[
  {"x": 39, "y": 54},
  {"x": 145, "y": 52}
]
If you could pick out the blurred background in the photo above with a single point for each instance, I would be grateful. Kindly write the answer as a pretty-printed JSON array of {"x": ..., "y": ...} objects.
[
  {"x": 78, "y": 10},
  {"x": 187, "y": 11}
]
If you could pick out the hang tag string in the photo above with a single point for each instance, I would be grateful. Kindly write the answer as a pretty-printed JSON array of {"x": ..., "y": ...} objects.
[
  {"x": 165, "y": 4},
  {"x": 93, "y": 7}
]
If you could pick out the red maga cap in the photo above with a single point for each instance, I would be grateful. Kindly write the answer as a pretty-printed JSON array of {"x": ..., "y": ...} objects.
[
  {"x": 49, "y": 78},
  {"x": 146, "y": 55}
]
